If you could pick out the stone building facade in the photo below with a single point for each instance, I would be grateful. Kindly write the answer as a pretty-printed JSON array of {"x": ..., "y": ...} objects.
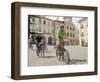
[
  {"x": 42, "y": 25},
  {"x": 72, "y": 31},
  {"x": 84, "y": 31},
  {"x": 49, "y": 27}
]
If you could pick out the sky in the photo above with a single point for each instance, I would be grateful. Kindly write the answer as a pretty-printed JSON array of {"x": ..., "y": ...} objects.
[
  {"x": 54, "y": 18},
  {"x": 74, "y": 19}
]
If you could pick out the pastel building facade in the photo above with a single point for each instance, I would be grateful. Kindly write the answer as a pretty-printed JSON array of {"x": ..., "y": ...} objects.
[
  {"x": 71, "y": 31},
  {"x": 49, "y": 27},
  {"x": 42, "y": 25},
  {"x": 84, "y": 32}
]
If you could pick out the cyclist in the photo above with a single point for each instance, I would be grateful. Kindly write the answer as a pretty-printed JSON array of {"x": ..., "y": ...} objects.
[
  {"x": 39, "y": 43},
  {"x": 61, "y": 36}
]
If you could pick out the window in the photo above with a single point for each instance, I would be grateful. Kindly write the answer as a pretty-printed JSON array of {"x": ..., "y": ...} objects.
[
  {"x": 82, "y": 34},
  {"x": 39, "y": 20},
  {"x": 33, "y": 30},
  {"x": 87, "y": 25},
  {"x": 44, "y": 22},
  {"x": 73, "y": 29},
  {"x": 36, "y": 30},
  {"x": 81, "y": 26},
  {"x": 67, "y": 33},
  {"x": 32, "y": 20},
  {"x": 40, "y": 29},
  {"x": 67, "y": 27}
]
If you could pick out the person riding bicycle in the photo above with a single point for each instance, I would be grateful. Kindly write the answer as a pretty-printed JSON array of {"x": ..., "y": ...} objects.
[
  {"x": 39, "y": 42},
  {"x": 60, "y": 40},
  {"x": 61, "y": 36}
]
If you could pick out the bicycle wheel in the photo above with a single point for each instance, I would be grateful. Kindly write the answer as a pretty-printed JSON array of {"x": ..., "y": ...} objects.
[
  {"x": 38, "y": 51},
  {"x": 66, "y": 57},
  {"x": 42, "y": 50},
  {"x": 58, "y": 54}
]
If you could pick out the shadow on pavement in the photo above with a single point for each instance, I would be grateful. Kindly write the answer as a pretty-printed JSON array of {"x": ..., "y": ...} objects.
[
  {"x": 49, "y": 56},
  {"x": 74, "y": 61}
]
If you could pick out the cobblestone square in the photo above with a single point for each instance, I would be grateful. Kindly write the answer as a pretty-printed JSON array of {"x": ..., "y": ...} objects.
[{"x": 78, "y": 55}]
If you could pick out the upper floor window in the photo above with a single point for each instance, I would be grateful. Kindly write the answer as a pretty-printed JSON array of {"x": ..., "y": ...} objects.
[
  {"x": 81, "y": 26},
  {"x": 87, "y": 25},
  {"x": 73, "y": 29},
  {"x": 40, "y": 29},
  {"x": 67, "y": 33},
  {"x": 44, "y": 22},
  {"x": 39, "y": 20},
  {"x": 82, "y": 34},
  {"x": 32, "y": 20},
  {"x": 67, "y": 27}
]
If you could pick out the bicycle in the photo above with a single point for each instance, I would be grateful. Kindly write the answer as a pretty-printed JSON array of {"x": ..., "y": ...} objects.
[
  {"x": 62, "y": 53},
  {"x": 40, "y": 49}
]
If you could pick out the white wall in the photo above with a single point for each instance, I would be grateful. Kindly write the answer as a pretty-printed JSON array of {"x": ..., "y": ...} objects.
[{"x": 5, "y": 38}]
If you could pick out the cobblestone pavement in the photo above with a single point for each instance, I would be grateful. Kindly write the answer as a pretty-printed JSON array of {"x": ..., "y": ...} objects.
[{"x": 50, "y": 58}]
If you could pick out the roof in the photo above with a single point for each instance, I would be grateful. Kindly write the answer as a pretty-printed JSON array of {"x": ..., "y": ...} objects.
[{"x": 83, "y": 19}]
